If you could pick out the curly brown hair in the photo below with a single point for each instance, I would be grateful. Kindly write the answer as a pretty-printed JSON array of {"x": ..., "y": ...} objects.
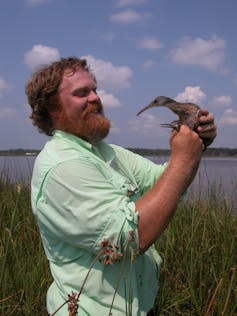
[{"x": 42, "y": 89}]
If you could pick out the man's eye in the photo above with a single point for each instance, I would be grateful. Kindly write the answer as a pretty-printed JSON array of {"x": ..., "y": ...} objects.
[{"x": 81, "y": 93}]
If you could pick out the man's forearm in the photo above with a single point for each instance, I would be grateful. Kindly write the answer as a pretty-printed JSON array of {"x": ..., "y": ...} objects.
[{"x": 158, "y": 205}]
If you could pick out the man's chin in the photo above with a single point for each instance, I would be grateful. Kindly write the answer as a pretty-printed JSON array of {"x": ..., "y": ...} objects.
[
  {"x": 92, "y": 130},
  {"x": 94, "y": 134},
  {"x": 99, "y": 134}
]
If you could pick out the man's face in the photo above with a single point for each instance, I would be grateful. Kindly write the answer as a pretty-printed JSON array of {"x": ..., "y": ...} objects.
[{"x": 81, "y": 110}]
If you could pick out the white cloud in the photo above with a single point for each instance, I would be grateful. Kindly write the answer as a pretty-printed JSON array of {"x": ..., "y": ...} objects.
[
  {"x": 148, "y": 63},
  {"x": 108, "y": 75},
  {"x": 125, "y": 17},
  {"x": 40, "y": 55},
  {"x": 147, "y": 124},
  {"x": 151, "y": 43},
  {"x": 35, "y": 2},
  {"x": 124, "y": 3},
  {"x": 222, "y": 101},
  {"x": 108, "y": 99},
  {"x": 3, "y": 86},
  {"x": 207, "y": 53},
  {"x": 6, "y": 112},
  {"x": 229, "y": 118},
  {"x": 191, "y": 94}
]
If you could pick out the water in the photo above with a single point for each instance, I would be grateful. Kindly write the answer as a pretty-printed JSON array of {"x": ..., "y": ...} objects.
[
  {"x": 215, "y": 176},
  {"x": 16, "y": 168}
]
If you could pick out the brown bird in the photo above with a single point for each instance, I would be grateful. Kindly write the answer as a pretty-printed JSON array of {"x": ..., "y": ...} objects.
[{"x": 187, "y": 112}]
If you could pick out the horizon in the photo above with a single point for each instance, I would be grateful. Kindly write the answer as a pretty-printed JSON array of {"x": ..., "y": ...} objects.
[{"x": 129, "y": 147}]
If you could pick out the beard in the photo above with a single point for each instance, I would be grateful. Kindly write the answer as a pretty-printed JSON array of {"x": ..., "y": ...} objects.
[{"x": 91, "y": 124}]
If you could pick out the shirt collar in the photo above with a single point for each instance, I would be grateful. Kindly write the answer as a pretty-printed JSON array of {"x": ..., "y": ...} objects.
[{"x": 101, "y": 149}]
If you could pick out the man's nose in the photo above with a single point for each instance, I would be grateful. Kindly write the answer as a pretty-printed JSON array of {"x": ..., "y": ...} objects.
[{"x": 93, "y": 96}]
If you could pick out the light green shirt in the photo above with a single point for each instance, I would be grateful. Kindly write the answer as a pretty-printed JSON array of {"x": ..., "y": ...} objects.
[{"x": 83, "y": 195}]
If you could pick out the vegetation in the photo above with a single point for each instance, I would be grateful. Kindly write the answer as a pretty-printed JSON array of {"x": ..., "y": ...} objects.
[
  {"x": 19, "y": 152},
  {"x": 210, "y": 152},
  {"x": 199, "y": 271},
  {"x": 24, "y": 272},
  {"x": 198, "y": 275}
]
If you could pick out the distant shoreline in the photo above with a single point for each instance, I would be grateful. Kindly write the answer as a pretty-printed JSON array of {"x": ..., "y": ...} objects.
[{"x": 210, "y": 152}]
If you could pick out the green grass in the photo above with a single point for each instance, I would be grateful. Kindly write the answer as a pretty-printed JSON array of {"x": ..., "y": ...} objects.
[
  {"x": 199, "y": 271},
  {"x": 25, "y": 274},
  {"x": 199, "y": 251}
]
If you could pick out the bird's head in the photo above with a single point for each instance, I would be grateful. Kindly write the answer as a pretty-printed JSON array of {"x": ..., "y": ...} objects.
[{"x": 158, "y": 101}]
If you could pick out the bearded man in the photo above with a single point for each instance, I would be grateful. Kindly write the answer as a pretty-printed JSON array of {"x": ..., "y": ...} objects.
[{"x": 100, "y": 208}]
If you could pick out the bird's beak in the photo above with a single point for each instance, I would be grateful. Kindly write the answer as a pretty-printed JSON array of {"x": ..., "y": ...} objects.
[{"x": 150, "y": 105}]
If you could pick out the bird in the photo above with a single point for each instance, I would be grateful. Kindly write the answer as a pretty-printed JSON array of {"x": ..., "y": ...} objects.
[{"x": 187, "y": 112}]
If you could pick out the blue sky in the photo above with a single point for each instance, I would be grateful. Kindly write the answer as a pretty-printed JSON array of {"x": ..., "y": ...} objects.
[{"x": 138, "y": 49}]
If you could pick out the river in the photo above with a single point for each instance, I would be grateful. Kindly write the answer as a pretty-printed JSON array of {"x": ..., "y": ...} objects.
[{"x": 216, "y": 176}]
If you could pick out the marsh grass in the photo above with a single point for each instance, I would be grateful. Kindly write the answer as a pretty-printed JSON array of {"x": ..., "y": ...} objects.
[
  {"x": 26, "y": 273},
  {"x": 199, "y": 251}
]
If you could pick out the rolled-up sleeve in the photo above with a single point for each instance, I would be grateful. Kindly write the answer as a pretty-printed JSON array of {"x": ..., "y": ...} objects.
[{"x": 82, "y": 206}]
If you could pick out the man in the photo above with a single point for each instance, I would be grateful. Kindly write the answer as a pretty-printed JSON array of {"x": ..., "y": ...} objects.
[{"x": 99, "y": 207}]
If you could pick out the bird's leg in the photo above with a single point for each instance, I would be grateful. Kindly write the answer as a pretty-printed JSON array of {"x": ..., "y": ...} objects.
[{"x": 175, "y": 125}]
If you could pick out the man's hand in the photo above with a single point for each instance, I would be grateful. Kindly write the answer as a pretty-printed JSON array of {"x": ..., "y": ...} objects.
[
  {"x": 186, "y": 146},
  {"x": 207, "y": 129}
]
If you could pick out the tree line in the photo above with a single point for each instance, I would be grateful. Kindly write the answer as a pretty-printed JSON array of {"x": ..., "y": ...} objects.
[{"x": 210, "y": 152}]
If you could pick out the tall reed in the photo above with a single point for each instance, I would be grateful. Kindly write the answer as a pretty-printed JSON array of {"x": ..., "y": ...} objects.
[
  {"x": 26, "y": 273},
  {"x": 199, "y": 251}
]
